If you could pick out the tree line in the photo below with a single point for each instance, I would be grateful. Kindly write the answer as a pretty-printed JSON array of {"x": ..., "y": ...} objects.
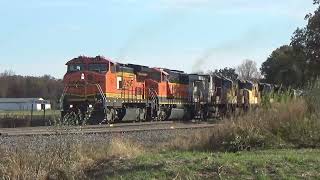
[
  {"x": 16, "y": 86},
  {"x": 298, "y": 63},
  {"x": 294, "y": 65}
]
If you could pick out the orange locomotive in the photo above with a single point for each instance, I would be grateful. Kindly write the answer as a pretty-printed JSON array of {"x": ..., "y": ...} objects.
[{"x": 110, "y": 89}]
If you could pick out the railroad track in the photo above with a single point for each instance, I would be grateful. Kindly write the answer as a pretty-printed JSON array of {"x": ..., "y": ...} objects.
[{"x": 101, "y": 129}]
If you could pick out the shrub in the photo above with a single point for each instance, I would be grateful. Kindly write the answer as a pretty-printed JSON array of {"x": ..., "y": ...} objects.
[
  {"x": 62, "y": 158},
  {"x": 287, "y": 122},
  {"x": 313, "y": 98}
]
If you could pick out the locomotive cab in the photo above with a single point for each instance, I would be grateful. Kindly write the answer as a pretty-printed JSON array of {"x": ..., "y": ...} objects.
[{"x": 86, "y": 83}]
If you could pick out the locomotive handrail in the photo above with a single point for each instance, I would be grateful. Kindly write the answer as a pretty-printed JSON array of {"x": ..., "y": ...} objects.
[
  {"x": 62, "y": 96},
  {"x": 102, "y": 95},
  {"x": 86, "y": 83},
  {"x": 153, "y": 97}
]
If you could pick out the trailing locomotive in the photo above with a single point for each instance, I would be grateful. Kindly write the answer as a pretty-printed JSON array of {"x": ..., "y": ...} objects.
[{"x": 108, "y": 90}]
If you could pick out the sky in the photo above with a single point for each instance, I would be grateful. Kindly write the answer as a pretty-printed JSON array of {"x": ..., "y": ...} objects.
[{"x": 38, "y": 37}]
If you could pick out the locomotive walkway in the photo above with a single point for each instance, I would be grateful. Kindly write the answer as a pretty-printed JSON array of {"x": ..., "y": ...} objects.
[{"x": 104, "y": 129}]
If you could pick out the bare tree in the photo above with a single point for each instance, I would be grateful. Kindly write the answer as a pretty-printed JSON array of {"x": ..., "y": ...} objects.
[{"x": 248, "y": 70}]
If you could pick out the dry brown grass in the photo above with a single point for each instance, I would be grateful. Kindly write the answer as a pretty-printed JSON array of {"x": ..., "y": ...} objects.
[
  {"x": 64, "y": 161},
  {"x": 193, "y": 141},
  {"x": 284, "y": 124}
]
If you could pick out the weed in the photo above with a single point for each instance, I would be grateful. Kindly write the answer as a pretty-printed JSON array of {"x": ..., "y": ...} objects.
[{"x": 64, "y": 158}]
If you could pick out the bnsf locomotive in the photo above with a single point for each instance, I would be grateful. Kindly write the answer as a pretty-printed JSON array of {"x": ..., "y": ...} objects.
[{"x": 108, "y": 90}]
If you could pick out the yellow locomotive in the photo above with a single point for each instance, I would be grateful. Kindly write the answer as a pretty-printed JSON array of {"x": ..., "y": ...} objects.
[{"x": 248, "y": 94}]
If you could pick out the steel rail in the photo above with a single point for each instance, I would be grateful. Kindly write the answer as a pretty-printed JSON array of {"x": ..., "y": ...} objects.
[{"x": 103, "y": 130}]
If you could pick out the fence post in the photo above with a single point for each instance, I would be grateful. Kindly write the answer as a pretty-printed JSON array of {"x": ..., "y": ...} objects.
[
  {"x": 43, "y": 107},
  {"x": 31, "y": 112}
]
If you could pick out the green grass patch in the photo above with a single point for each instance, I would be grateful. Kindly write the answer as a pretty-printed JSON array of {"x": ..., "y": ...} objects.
[
  {"x": 27, "y": 113},
  {"x": 268, "y": 164},
  {"x": 11, "y": 119}
]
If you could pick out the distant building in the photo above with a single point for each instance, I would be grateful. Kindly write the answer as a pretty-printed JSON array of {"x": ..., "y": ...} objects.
[{"x": 23, "y": 104}]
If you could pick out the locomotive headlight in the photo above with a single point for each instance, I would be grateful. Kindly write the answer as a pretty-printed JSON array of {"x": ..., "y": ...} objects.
[
  {"x": 71, "y": 106},
  {"x": 90, "y": 106}
]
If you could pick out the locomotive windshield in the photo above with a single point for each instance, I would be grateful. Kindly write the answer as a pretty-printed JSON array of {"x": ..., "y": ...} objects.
[
  {"x": 98, "y": 67},
  {"x": 155, "y": 76},
  {"x": 76, "y": 67}
]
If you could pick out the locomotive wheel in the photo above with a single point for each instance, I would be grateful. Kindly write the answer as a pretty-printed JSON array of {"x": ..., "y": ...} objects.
[
  {"x": 110, "y": 115},
  {"x": 161, "y": 115},
  {"x": 164, "y": 114},
  {"x": 141, "y": 114},
  {"x": 120, "y": 114}
]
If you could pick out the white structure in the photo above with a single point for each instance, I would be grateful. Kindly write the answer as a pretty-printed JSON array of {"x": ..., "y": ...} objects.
[{"x": 23, "y": 104}]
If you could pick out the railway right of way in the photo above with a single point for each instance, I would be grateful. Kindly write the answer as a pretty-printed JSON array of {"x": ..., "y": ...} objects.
[{"x": 103, "y": 129}]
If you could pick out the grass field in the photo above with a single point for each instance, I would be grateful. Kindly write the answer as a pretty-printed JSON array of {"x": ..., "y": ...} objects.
[
  {"x": 23, "y": 118},
  {"x": 124, "y": 160},
  {"x": 28, "y": 113},
  {"x": 268, "y": 164}
]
